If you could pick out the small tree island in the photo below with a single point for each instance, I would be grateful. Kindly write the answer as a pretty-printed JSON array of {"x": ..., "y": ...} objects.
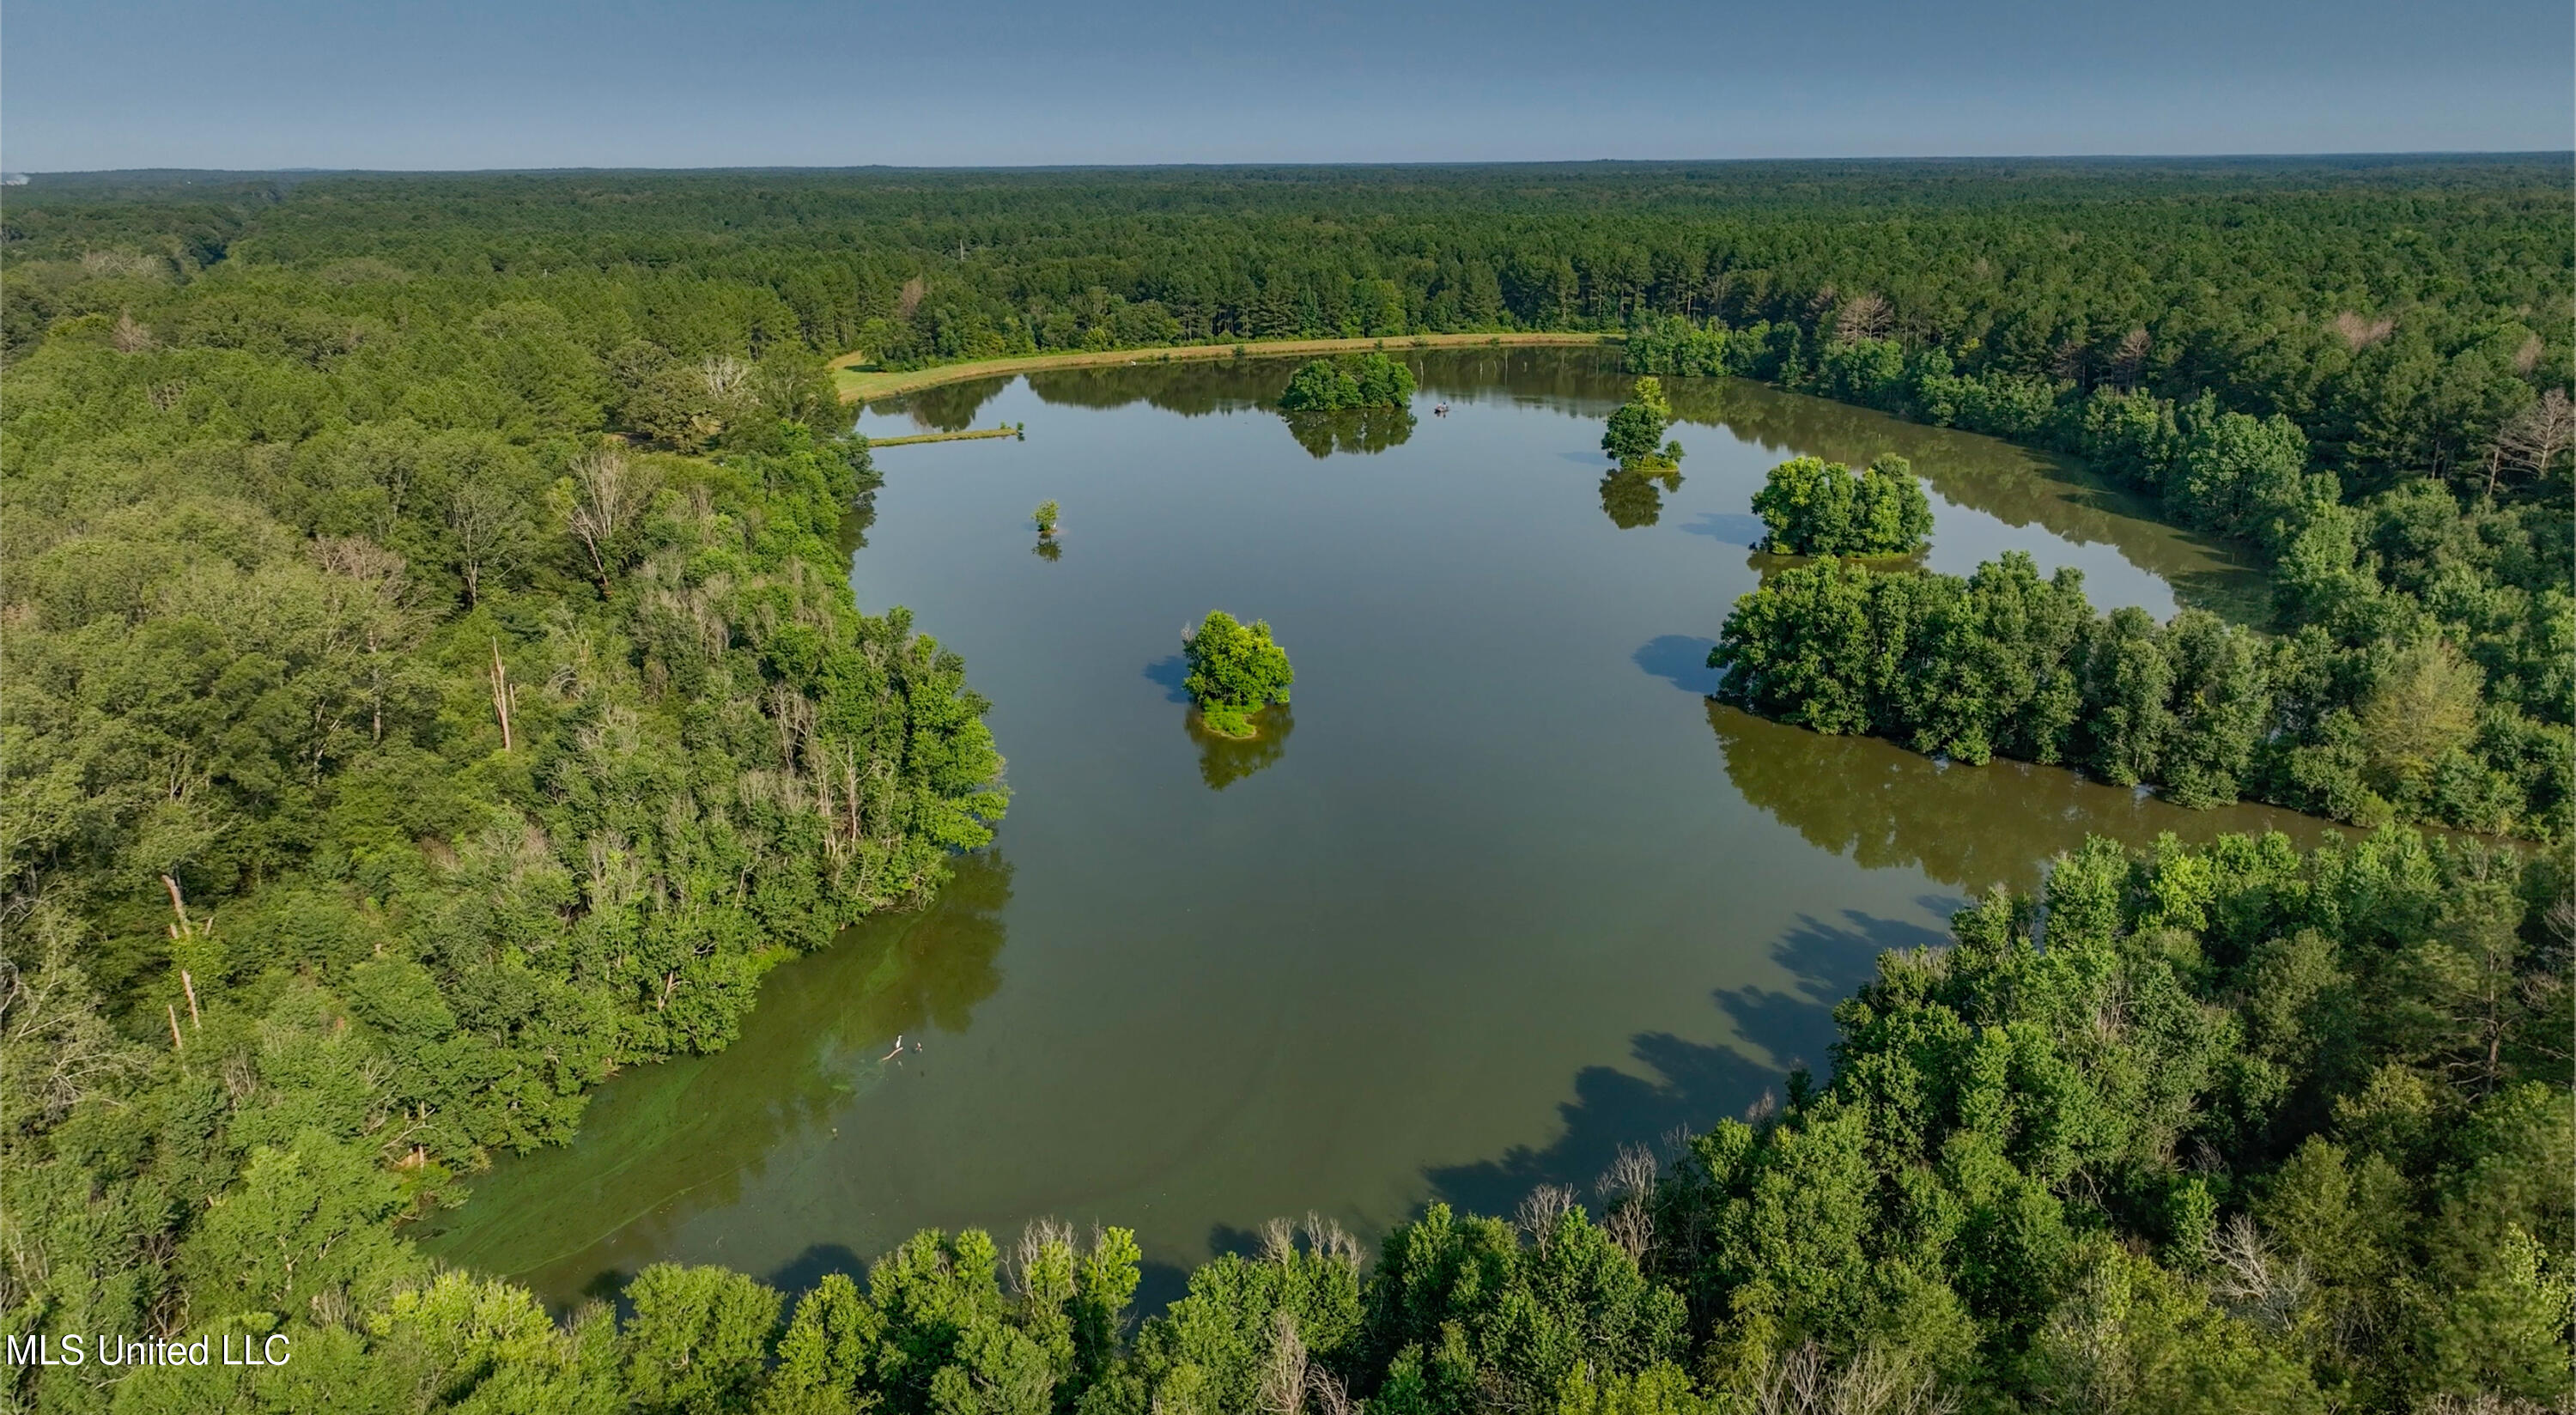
[
  {"x": 1348, "y": 385},
  {"x": 1816, "y": 507},
  {"x": 1236, "y": 670},
  {"x": 1635, "y": 435}
]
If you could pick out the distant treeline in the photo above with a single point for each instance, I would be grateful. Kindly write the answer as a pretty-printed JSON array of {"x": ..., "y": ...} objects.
[{"x": 2390, "y": 306}]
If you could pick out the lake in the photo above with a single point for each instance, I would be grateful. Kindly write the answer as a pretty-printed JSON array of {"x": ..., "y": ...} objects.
[{"x": 1501, "y": 892}]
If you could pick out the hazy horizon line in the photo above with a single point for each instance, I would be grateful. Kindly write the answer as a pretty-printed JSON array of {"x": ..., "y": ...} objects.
[{"x": 1308, "y": 163}]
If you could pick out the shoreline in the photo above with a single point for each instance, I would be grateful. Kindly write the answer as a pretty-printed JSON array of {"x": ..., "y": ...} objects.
[
  {"x": 943, "y": 436},
  {"x": 857, "y": 387}
]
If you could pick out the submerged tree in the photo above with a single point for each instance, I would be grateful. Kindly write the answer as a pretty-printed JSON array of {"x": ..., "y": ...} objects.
[
  {"x": 1235, "y": 671},
  {"x": 1637, "y": 428},
  {"x": 1816, "y": 507},
  {"x": 1045, "y": 516},
  {"x": 1345, "y": 384}
]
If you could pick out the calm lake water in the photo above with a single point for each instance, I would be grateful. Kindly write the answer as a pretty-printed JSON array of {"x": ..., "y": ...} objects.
[{"x": 1503, "y": 893}]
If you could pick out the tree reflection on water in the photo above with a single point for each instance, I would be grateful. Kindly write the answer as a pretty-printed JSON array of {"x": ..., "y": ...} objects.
[
  {"x": 1362, "y": 430},
  {"x": 1224, "y": 761},
  {"x": 664, "y": 1142},
  {"x": 1969, "y": 827}
]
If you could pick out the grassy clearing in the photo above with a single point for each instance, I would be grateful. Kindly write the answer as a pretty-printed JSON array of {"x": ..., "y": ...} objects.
[{"x": 856, "y": 386}]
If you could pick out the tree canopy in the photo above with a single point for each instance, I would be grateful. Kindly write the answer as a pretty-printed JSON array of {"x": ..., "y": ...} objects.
[
  {"x": 1235, "y": 670},
  {"x": 1635, "y": 435},
  {"x": 1816, "y": 507},
  {"x": 1348, "y": 384}
]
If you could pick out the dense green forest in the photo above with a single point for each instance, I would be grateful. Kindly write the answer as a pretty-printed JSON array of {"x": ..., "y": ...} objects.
[{"x": 429, "y": 682}]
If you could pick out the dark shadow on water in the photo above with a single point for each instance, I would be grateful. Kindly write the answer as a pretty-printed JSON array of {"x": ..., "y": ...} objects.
[
  {"x": 1586, "y": 459},
  {"x": 1170, "y": 674},
  {"x": 609, "y": 1285},
  {"x": 1224, "y": 1238},
  {"x": 1158, "y": 1286},
  {"x": 1680, "y": 660},
  {"x": 1734, "y": 528},
  {"x": 1695, "y": 1085},
  {"x": 817, "y": 1262},
  {"x": 1830, "y": 961}
]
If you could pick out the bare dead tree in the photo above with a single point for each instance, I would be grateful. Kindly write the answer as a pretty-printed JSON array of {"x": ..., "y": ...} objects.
[
  {"x": 504, "y": 694},
  {"x": 360, "y": 561},
  {"x": 1821, "y": 302},
  {"x": 1278, "y": 1240},
  {"x": 2486, "y": 1402},
  {"x": 371, "y": 597},
  {"x": 1864, "y": 316},
  {"x": 1876, "y": 1382},
  {"x": 2129, "y": 359},
  {"x": 2251, "y": 1279},
  {"x": 1036, "y": 1238},
  {"x": 1540, "y": 1210},
  {"x": 722, "y": 374},
  {"x": 909, "y": 298},
  {"x": 2359, "y": 332},
  {"x": 1326, "y": 1239},
  {"x": 2549, "y": 978},
  {"x": 1627, "y": 1192},
  {"x": 2534, "y": 439},
  {"x": 1284, "y": 1380},
  {"x": 1763, "y": 1108},
  {"x": 610, "y": 495},
  {"x": 2073, "y": 361},
  {"x": 1331, "y": 1396},
  {"x": 121, "y": 263},
  {"x": 130, "y": 337},
  {"x": 479, "y": 518},
  {"x": 57, "y": 1047}
]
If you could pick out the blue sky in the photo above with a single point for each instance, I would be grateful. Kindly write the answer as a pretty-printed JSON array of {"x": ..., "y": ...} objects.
[{"x": 651, "y": 83}]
